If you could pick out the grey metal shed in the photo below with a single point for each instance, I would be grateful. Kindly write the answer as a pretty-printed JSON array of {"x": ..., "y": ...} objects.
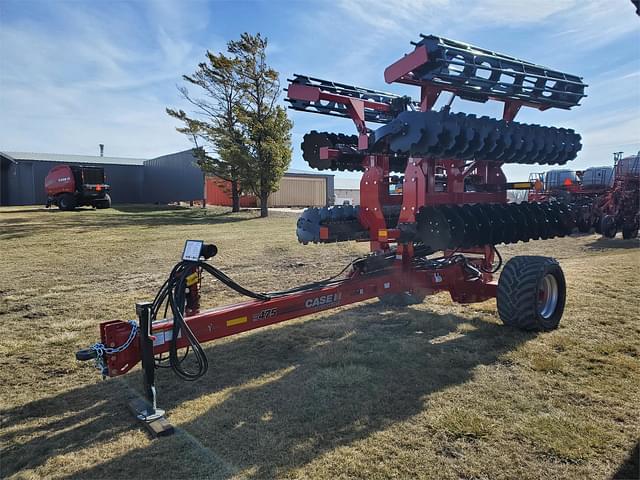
[
  {"x": 22, "y": 176},
  {"x": 176, "y": 177},
  {"x": 173, "y": 178}
]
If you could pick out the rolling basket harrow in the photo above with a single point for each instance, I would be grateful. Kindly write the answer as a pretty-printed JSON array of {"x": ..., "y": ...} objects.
[{"x": 450, "y": 196}]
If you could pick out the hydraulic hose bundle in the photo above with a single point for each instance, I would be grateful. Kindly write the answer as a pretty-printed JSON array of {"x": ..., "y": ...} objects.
[{"x": 172, "y": 294}]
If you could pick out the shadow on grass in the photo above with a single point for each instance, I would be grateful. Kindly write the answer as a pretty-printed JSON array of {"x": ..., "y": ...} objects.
[
  {"x": 604, "y": 243},
  {"x": 147, "y": 208},
  {"x": 630, "y": 469},
  {"x": 128, "y": 216},
  {"x": 24, "y": 210},
  {"x": 271, "y": 401}
]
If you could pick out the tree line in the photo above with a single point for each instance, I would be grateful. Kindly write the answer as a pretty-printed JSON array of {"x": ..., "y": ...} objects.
[{"x": 240, "y": 132}]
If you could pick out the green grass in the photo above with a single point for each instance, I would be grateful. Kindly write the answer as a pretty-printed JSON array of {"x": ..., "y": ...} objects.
[{"x": 437, "y": 390}]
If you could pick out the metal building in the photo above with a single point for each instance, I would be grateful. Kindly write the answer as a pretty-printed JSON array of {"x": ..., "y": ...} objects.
[
  {"x": 350, "y": 196},
  {"x": 169, "y": 178},
  {"x": 298, "y": 188},
  {"x": 173, "y": 178},
  {"x": 347, "y": 190},
  {"x": 22, "y": 176}
]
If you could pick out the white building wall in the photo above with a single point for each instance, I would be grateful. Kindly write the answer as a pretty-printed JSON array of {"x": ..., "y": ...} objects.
[{"x": 350, "y": 194}]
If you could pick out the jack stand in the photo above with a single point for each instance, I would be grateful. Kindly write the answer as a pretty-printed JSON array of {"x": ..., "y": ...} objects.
[{"x": 146, "y": 410}]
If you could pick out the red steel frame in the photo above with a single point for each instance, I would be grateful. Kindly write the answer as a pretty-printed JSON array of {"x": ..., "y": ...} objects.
[
  {"x": 230, "y": 320},
  {"x": 419, "y": 189}
]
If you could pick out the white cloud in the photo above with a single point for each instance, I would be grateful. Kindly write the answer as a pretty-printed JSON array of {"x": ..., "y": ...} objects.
[
  {"x": 104, "y": 75},
  {"x": 93, "y": 77},
  {"x": 403, "y": 16}
]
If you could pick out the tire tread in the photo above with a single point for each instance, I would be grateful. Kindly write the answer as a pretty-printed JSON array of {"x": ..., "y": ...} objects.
[{"x": 517, "y": 293}]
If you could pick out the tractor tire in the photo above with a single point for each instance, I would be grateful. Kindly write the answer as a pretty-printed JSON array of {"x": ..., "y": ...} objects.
[
  {"x": 608, "y": 226},
  {"x": 66, "y": 202},
  {"x": 403, "y": 299},
  {"x": 531, "y": 293},
  {"x": 103, "y": 202},
  {"x": 629, "y": 232}
]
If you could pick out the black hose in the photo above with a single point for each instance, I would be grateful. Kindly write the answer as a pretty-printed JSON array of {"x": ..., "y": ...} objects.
[
  {"x": 177, "y": 301},
  {"x": 172, "y": 294},
  {"x": 497, "y": 267}
]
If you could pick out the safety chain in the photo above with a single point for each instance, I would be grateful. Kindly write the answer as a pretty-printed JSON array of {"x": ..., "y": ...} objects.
[{"x": 101, "y": 349}]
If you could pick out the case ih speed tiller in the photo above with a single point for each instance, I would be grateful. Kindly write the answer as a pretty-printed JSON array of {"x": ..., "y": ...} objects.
[{"x": 432, "y": 182}]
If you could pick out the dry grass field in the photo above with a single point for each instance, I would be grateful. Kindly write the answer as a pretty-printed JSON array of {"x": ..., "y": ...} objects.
[{"x": 436, "y": 390}]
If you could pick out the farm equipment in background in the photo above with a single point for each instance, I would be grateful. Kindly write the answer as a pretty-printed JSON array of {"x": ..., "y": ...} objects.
[
  {"x": 619, "y": 208},
  {"x": 431, "y": 182},
  {"x": 602, "y": 198},
  {"x": 567, "y": 186},
  {"x": 71, "y": 186}
]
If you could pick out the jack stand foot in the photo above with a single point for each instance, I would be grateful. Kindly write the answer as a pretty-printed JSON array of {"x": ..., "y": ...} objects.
[
  {"x": 147, "y": 411},
  {"x": 153, "y": 420}
]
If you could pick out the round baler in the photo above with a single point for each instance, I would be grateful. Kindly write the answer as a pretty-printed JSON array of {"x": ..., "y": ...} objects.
[{"x": 71, "y": 186}]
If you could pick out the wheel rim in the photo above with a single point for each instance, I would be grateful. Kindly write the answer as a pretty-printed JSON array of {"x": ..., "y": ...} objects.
[{"x": 547, "y": 296}]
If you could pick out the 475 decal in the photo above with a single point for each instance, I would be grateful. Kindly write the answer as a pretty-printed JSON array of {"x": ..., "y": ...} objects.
[{"x": 264, "y": 314}]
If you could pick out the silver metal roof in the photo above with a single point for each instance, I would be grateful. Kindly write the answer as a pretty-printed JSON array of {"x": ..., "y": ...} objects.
[
  {"x": 294, "y": 171},
  {"x": 66, "y": 158}
]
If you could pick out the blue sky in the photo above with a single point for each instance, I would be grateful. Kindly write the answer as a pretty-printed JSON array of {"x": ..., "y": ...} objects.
[{"x": 77, "y": 73}]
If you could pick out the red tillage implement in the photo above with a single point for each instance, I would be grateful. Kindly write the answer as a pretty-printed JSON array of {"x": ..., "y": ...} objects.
[{"x": 432, "y": 182}]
